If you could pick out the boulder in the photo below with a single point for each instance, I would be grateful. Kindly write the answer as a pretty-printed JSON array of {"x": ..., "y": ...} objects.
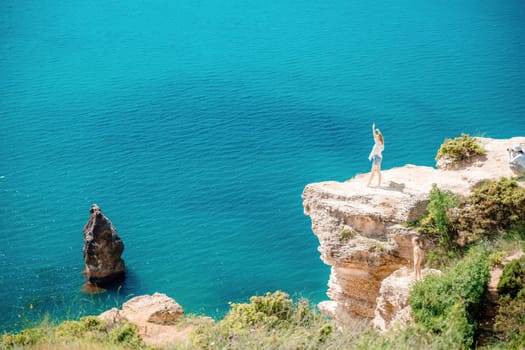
[
  {"x": 155, "y": 317},
  {"x": 102, "y": 251},
  {"x": 157, "y": 308}
]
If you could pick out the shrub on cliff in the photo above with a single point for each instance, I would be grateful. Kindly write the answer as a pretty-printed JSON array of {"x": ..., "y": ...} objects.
[
  {"x": 436, "y": 226},
  {"x": 436, "y": 222},
  {"x": 448, "y": 304},
  {"x": 494, "y": 206},
  {"x": 273, "y": 319},
  {"x": 459, "y": 149},
  {"x": 510, "y": 320},
  {"x": 512, "y": 279}
]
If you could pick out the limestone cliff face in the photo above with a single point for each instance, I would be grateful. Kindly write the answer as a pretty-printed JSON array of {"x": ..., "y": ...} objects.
[
  {"x": 360, "y": 229},
  {"x": 102, "y": 251}
]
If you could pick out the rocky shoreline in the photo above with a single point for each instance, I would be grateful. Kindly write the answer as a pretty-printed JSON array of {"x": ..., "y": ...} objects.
[{"x": 362, "y": 237}]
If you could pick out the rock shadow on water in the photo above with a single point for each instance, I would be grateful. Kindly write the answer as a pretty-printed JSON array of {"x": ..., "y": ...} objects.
[{"x": 115, "y": 284}]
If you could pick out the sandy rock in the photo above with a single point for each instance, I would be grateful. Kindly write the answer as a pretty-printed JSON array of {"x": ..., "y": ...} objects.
[
  {"x": 361, "y": 229},
  {"x": 111, "y": 316},
  {"x": 157, "y": 308},
  {"x": 156, "y": 319}
]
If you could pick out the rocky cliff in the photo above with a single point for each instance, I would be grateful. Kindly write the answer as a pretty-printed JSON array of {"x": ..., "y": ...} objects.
[
  {"x": 361, "y": 232},
  {"x": 102, "y": 251}
]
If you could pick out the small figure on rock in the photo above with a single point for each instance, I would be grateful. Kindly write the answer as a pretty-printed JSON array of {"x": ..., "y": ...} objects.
[
  {"x": 376, "y": 155},
  {"x": 102, "y": 252},
  {"x": 418, "y": 257},
  {"x": 517, "y": 159}
]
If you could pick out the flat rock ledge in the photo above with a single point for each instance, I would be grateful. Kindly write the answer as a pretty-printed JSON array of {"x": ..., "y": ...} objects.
[
  {"x": 361, "y": 229},
  {"x": 156, "y": 309},
  {"x": 156, "y": 317}
]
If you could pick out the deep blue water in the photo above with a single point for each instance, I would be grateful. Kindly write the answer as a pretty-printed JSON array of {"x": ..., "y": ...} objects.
[{"x": 195, "y": 125}]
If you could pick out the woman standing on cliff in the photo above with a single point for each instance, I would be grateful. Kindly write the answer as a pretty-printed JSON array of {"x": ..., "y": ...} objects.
[{"x": 376, "y": 155}]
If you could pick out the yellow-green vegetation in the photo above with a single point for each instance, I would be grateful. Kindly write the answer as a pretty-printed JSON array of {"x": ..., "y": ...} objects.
[
  {"x": 463, "y": 148},
  {"x": 88, "y": 331}
]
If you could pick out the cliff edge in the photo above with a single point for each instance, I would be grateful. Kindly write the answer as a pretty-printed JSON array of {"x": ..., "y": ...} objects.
[{"x": 360, "y": 229}]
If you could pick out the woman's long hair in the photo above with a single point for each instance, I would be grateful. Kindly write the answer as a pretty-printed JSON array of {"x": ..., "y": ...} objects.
[{"x": 380, "y": 136}]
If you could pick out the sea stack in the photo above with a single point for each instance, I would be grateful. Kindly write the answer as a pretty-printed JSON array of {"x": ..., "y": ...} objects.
[{"x": 102, "y": 252}]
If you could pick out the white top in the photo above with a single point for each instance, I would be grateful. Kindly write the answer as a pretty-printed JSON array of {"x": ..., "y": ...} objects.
[
  {"x": 518, "y": 160},
  {"x": 377, "y": 149}
]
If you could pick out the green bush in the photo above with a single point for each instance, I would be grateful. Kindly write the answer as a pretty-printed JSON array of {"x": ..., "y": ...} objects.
[
  {"x": 510, "y": 320},
  {"x": 462, "y": 148},
  {"x": 493, "y": 206},
  {"x": 87, "y": 327},
  {"x": 496, "y": 258},
  {"x": 449, "y": 304},
  {"x": 436, "y": 222},
  {"x": 126, "y": 334},
  {"x": 88, "y": 330},
  {"x": 262, "y": 311},
  {"x": 512, "y": 278}
]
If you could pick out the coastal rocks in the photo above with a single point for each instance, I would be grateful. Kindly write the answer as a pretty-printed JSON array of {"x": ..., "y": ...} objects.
[
  {"x": 156, "y": 309},
  {"x": 102, "y": 252},
  {"x": 362, "y": 230},
  {"x": 156, "y": 318}
]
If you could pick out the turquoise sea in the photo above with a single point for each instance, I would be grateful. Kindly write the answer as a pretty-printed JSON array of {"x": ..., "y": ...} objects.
[{"x": 196, "y": 124}]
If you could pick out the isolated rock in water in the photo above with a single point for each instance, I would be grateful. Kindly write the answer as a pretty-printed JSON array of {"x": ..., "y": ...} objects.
[
  {"x": 157, "y": 308},
  {"x": 102, "y": 251}
]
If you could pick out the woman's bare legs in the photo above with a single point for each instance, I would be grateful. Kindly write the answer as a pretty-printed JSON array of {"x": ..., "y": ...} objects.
[{"x": 375, "y": 169}]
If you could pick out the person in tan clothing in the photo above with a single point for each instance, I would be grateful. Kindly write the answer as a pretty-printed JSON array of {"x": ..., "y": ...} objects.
[{"x": 418, "y": 257}]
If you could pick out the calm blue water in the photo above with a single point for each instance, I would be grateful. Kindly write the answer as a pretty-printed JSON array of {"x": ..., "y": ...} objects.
[{"x": 195, "y": 125}]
